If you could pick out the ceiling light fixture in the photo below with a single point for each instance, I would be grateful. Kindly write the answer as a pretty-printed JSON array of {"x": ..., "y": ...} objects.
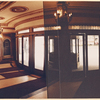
[{"x": 62, "y": 16}]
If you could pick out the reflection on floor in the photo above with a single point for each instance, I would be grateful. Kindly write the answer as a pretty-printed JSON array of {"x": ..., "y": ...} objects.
[
  {"x": 90, "y": 86},
  {"x": 16, "y": 83},
  {"x": 78, "y": 87}
]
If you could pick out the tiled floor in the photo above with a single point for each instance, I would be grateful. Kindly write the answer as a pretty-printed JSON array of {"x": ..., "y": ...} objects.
[{"x": 15, "y": 83}]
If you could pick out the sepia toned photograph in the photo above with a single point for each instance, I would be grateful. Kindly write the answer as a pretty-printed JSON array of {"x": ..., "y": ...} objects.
[{"x": 49, "y": 49}]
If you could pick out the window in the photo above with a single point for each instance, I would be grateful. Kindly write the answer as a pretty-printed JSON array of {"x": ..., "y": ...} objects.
[
  {"x": 20, "y": 49},
  {"x": 26, "y": 50},
  {"x": 39, "y": 52},
  {"x": 23, "y": 31}
]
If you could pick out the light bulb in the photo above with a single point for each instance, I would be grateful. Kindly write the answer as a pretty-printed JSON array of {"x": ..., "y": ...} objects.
[{"x": 0, "y": 36}]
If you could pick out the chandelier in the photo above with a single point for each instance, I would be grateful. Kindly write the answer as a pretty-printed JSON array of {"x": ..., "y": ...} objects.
[{"x": 62, "y": 16}]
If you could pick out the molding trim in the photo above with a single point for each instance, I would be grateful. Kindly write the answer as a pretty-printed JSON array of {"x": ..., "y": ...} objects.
[
  {"x": 1, "y": 18},
  {"x": 29, "y": 19},
  {"x": 29, "y": 27},
  {"x": 5, "y": 4},
  {"x": 4, "y": 24},
  {"x": 23, "y": 15},
  {"x": 9, "y": 28}
]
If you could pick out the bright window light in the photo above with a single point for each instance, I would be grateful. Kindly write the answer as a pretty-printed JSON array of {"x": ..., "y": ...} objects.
[
  {"x": 23, "y": 31},
  {"x": 26, "y": 51},
  {"x": 47, "y": 28},
  {"x": 38, "y": 29},
  {"x": 84, "y": 27},
  {"x": 39, "y": 52},
  {"x": 20, "y": 49}
]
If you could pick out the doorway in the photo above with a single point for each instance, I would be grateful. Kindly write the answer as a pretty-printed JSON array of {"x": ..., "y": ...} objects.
[
  {"x": 6, "y": 45},
  {"x": 77, "y": 54},
  {"x": 84, "y": 49}
]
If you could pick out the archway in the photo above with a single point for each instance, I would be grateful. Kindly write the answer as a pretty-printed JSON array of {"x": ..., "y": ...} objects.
[{"x": 6, "y": 45}]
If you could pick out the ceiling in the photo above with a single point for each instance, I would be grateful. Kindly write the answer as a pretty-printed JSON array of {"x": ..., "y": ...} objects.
[
  {"x": 83, "y": 12},
  {"x": 12, "y": 13},
  {"x": 17, "y": 15}
]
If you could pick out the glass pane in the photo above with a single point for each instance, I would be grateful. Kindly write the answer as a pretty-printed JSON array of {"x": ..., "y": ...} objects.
[
  {"x": 51, "y": 45},
  {"x": 0, "y": 50},
  {"x": 23, "y": 31},
  {"x": 26, "y": 50},
  {"x": 39, "y": 52},
  {"x": 93, "y": 52},
  {"x": 73, "y": 43},
  {"x": 76, "y": 48},
  {"x": 81, "y": 52},
  {"x": 20, "y": 49},
  {"x": 16, "y": 48},
  {"x": 53, "y": 67}
]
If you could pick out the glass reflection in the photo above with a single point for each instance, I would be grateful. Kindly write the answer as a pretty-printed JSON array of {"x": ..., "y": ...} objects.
[
  {"x": 26, "y": 50},
  {"x": 76, "y": 49},
  {"x": 53, "y": 67},
  {"x": 20, "y": 49}
]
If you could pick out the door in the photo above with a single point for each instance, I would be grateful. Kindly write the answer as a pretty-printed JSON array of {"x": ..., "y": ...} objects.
[
  {"x": 52, "y": 64},
  {"x": 77, "y": 58},
  {"x": 93, "y": 52}
]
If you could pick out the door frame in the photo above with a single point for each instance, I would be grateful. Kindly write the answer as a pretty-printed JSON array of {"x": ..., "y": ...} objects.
[{"x": 87, "y": 34}]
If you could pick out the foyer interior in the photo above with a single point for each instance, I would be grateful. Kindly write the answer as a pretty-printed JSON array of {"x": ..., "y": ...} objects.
[{"x": 41, "y": 58}]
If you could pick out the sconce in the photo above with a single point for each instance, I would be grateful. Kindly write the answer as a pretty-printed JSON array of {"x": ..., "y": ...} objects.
[
  {"x": 62, "y": 17},
  {"x": 1, "y": 30}
]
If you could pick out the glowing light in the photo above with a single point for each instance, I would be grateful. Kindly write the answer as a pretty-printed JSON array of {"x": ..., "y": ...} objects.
[
  {"x": 84, "y": 27},
  {"x": 1, "y": 30},
  {"x": 0, "y": 36},
  {"x": 38, "y": 29},
  {"x": 70, "y": 14},
  {"x": 23, "y": 31},
  {"x": 59, "y": 12},
  {"x": 55, "y": 14},
  {"x": 47, "y": 28}
]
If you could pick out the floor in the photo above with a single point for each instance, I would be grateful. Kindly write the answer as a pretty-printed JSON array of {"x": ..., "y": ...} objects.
[
  {"x": 16, "y": 83},
  {"x": 90, "y": 86}
]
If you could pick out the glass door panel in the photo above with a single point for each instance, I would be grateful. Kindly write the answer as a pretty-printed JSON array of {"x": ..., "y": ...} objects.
[
  {"x": 53, "y": 65},
  {"x": 93, "y": 52},
  {"x": 39, "y": 52},
  {"x": 20, "y": 49},
  {"x": 76, "y": 48},
  {"x": 26, "y": 50}
]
